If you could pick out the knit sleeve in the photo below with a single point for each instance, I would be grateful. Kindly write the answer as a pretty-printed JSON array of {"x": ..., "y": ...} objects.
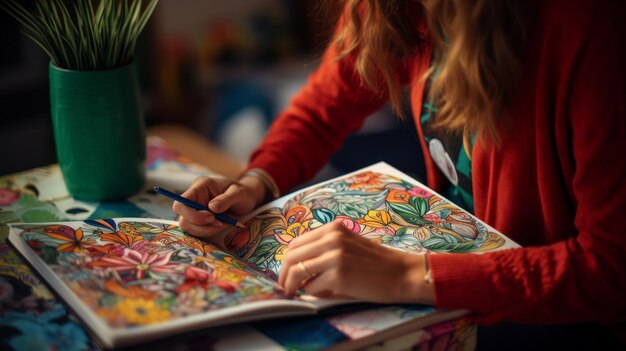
[
  {"x": 332, "y": 104},
  {"x": 581, "y": 277}
]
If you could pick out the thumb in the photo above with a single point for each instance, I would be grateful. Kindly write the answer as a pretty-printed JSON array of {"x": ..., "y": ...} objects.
[{"x": 223, "y": 202}]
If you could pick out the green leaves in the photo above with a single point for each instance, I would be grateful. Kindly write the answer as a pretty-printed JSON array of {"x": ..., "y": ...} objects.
[
  {"x": 352, "y": 204},
  {"x": 86, "y": 35},
  {"x": 440, "y": 244},
  {"x": 412, "y": 212},
  {"x": 264, "y": 254}
]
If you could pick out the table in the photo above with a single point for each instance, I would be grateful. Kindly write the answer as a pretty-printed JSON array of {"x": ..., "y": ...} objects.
[{"x": 31, "y": 318}]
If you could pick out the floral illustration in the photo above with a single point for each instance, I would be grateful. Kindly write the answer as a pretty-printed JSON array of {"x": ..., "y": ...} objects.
[
  {"x": 380, "y": 207},
  {"x": 142, "y": 311},
  {"x": 138, "y": 273},
  {"x": 8, "y": 197},
  {"x": 139, "y": 264}
]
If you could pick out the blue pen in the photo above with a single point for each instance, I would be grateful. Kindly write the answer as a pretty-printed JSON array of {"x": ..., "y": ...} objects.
[{"x": 220, "y": 217}]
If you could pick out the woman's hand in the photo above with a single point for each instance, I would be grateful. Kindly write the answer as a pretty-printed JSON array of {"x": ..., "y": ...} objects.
[
  {"x": 333, "y": 261},
  {"x": 220, "y": 195}
]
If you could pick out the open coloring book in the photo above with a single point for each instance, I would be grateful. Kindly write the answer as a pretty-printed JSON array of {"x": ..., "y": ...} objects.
[{"x": 131, "y": 280}]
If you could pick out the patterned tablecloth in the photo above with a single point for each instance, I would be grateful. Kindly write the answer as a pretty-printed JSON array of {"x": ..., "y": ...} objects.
[{"x": 32, "y": 318}]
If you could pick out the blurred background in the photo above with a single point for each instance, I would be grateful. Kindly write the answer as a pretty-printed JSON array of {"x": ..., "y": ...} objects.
[{"x": 224, "y": 68}]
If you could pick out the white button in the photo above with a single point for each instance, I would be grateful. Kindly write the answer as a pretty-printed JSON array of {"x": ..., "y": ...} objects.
[{"x": 443, "y": 160}]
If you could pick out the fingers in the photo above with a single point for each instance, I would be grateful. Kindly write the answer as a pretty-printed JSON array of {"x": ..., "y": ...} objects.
[
  {"x": 338, "y": 262},
  {"x": 296, "y": 270},
  {"x": 195, "y": 222},
  {"x": 220, "y": 195},
  {"x": 197, "y": 192},
  {"x": 314, "y": 235},
  {"x": 200, "y": 193},
  {"x": 202, "y": 231},
  {"x": 321, "y": 285},
  {"x": 307, "y": 272},
  {"x": 232, "y": 199},
  {"x": 320, "y": 250},
  {"x": 302, "y": 248}
]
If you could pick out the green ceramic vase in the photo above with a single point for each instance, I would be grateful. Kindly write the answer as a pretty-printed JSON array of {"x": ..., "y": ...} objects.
[{"x": 99, "y": 132}]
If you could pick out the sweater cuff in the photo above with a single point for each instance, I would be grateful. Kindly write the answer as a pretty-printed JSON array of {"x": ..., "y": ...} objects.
[
  {"x": 462, "y": 281},
  {"x": 281, "y": 180}
]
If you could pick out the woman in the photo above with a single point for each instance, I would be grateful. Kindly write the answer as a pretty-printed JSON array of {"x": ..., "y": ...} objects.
[{"x": 531, "y": 96}]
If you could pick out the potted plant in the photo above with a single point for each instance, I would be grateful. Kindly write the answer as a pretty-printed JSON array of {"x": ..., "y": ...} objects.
[{"x": 95, "y": 104}]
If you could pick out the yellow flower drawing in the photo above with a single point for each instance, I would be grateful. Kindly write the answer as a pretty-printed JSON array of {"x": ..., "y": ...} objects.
[
  {"x": 375, "y": 218},
  {"x": 142, "y": 311}
]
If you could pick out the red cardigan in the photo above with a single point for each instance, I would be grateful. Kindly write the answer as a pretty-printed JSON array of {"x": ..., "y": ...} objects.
[{"x": 556, "y": 184}]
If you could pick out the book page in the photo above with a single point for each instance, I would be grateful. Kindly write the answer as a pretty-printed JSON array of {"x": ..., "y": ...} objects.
[
  {"x": 136, "y": 272},
  {"x": 379, "y": 203}
]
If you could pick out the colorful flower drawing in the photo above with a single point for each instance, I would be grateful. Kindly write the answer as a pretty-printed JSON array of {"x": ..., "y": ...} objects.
[
  {"x": 126, "y": 240},
  {"x": 140, "y": 264},
  {"x": 380, "y": 207},
  {"x": 375, "y": 218},
  {"x": 138, "y": 272},
  {"x": 71, "y": 240},
  {"x": 8, "y": 197},
  {"x": 144, "y": 272},
  {"x": 366, "y": 181},
  {"x": 142, "y": 311},
  {"x": 199, "y": 278}
]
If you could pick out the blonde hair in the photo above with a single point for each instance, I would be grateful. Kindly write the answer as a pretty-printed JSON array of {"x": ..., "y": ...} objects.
[{"x": 475, "y": 57}]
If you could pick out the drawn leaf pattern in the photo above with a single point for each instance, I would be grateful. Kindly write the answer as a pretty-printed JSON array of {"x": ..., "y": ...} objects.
[
  {"x": 380, "y": 207},
  {"x": 135, "y": 273}
]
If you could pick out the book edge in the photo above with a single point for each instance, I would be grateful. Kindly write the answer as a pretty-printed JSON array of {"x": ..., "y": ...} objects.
[
  {"x": 111, "y": 337},
  {"x": 98, "y": 328},
  {"x": 382, "y": 167},
  {"x": 438, "y": 316}
]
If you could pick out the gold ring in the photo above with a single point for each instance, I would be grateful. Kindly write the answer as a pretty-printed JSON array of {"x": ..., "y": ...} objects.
[{"x": 306, "y": 271}]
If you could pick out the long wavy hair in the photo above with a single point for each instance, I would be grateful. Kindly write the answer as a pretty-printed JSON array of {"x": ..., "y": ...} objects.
[{"x": 475, "y": 61}]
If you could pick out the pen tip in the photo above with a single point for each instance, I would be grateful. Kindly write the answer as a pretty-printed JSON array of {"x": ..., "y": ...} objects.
[{"x": 238, "y": 224}]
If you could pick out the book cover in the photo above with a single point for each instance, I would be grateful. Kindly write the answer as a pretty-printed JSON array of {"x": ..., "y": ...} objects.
[{"x": 136, "y": 279}]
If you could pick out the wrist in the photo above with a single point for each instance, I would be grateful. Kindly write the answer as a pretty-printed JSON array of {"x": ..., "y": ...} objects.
[
  {"x": 418, "y": 285},
  {"x": 256, "y": 187},
  {"x": 262, "y": 184}
]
